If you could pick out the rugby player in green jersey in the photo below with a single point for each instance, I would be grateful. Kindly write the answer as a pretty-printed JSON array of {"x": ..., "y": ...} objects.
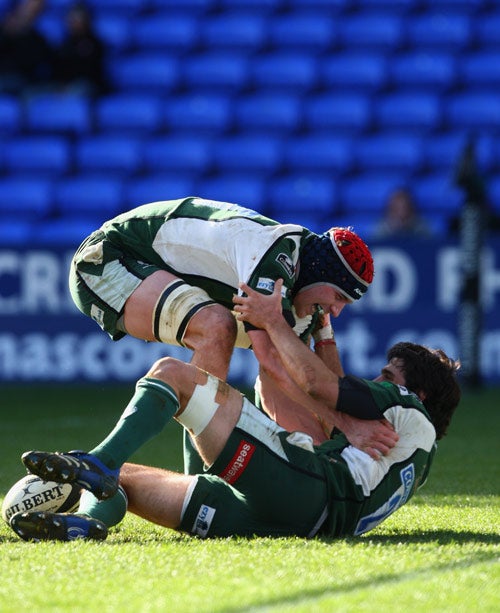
[
  {"x": 167, "y": 272},
  {"x": 259, "y": 479}
]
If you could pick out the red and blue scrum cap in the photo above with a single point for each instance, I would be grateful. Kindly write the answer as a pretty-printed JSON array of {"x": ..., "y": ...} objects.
[{"x": 339, "y": 258}]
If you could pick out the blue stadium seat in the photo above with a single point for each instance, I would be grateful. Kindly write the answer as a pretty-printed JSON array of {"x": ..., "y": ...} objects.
[
  {"x": 15, "y": 232},
  {"x": 109, "y": 154},
  {"x": 114, "y": 31},
  {"x": 298, "y": 30},
  {"x": 190, "y": 6},
  {"x": 460, "y": 5},
  {"x": 198, "y": 112},
  {"x": 215, "y": 71},
  {"x": 379, "y": 30},
  {"x": 126, "y": 7},
  {"x": 316, "y": 222},
  {"x": 94, "y": 196},
  {"x": 241, "y": 31},
  {"x": 389, "y": 152},
  {"x": 474, "y": 110},
  {"x": 145, "y": 72},
  {"x": 409, "y": 110},
  {"x": 280, "y": 112},
  {"x": 436, "y": 192},
  {"x": 334, "y": 7},
  {"x": 442, "y": 153},
  {"x": 349, "y": 112},
  {"x": 487, "y": 29},
  {"x": 481, "y": 68},
  {"x": 26, "y": 198},
  {"x": 52, "y": 27},
  {"x": 393, "y": 5},
  {"x": 177, "y": 153},
  {"x": 129, "y": 112},
  {"x": 42, "y": 155},
  {"x": 260, "y": 6},
  {"x": 303, "y": 193},
  {"x": 60, "y": 5},
  {"x": 285, "y": 70},
  {"x": 64, "y": 232},
  {"x": 165, "y": 31},
  {"x": 10, "y": 114},
  {"x": 154, "y": 188},
  {"x": 58, "y": 113},
  {"x": 363, "y": 223},
  {"x": 439, "y": 29},
  {"x": 366, "y": 71},
  {"x": 423, "y": 69},
  {"x": 247, "y": 190},
  {"x": 247, "y": 153},
  {"x": 367, "y": 191},
  {"x": 319, "y": 152}
]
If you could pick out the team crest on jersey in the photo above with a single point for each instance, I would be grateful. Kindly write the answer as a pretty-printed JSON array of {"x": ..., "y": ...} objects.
[
  {"x": 287, "y": 263},
  {"x": 203, "y": 520}
]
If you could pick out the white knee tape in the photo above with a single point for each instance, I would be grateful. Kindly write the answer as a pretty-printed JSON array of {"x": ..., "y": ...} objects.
[
  {"x": 178, "y": 303},
  {"x": 201, "y": 407}
]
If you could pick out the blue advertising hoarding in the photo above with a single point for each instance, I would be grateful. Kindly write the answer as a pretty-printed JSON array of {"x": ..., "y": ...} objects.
[{"x": 415, "y": 296}]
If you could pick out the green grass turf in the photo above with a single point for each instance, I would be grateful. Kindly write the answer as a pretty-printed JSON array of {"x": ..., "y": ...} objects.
[{"x": 438, "y": 553}]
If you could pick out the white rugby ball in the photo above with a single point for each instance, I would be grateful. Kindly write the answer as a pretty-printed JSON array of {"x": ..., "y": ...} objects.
[{"x": 31, "y": 493}]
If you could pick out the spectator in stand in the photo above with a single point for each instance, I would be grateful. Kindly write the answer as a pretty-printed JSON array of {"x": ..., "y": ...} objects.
[
  {"x": 26, "y": 58},
  {"x": 80, "y": 58},
  {"x": 401, "y": 218}
]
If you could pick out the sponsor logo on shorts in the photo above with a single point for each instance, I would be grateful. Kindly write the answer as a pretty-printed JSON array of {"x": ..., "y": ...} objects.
[
  {"x": 203, "y": 520},
  {"x": 265, "y": 284},
  {"x": 97, "y": 314},
  {"x": 238, "y": 463},
  {"x": 286, "y": 261}
]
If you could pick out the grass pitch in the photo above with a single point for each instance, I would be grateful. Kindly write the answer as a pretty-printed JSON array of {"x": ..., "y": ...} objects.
[{"x": 438, "y": 553}]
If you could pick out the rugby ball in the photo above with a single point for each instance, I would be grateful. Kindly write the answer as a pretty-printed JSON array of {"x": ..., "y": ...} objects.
[{"x": 31, "y": 493}]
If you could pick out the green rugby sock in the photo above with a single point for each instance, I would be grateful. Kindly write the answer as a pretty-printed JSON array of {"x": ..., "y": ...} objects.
[
  {"x": 110, "y": 511},
  {"x": 150, "y": 409}
]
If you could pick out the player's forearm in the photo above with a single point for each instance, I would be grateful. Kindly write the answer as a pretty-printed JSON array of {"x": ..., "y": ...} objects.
[
  {"x": 303, "y": 366},
  {"x": 329, "y": 355}
]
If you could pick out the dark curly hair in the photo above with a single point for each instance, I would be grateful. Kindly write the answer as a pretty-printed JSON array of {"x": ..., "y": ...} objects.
[{"x": 432, "y": 373}]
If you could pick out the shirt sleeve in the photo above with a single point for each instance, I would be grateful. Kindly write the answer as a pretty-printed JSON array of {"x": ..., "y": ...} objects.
[
  {"x": 278, "y": 263},
  {"x": 356, "y": 399}
]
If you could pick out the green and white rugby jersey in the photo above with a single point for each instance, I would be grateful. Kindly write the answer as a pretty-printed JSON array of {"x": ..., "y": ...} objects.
[
  {"x": 362, "y": 492},
  {"x": 212, "y": 245}
]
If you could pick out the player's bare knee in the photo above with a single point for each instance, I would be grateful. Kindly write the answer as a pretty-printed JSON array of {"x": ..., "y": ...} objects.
[
  {"x": 165, "y": 368},
  {"x": 219, "y": 330}
]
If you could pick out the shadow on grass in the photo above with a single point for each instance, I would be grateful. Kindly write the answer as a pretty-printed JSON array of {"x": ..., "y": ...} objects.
[
  {"x": 442, "y": 537},
  {"x": 308, "y": 597}
]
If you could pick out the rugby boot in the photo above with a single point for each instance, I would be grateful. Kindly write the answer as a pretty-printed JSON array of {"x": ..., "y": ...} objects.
[
  {"x": 76, "y": 467},
  {"x": 44, "y": 526}
]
